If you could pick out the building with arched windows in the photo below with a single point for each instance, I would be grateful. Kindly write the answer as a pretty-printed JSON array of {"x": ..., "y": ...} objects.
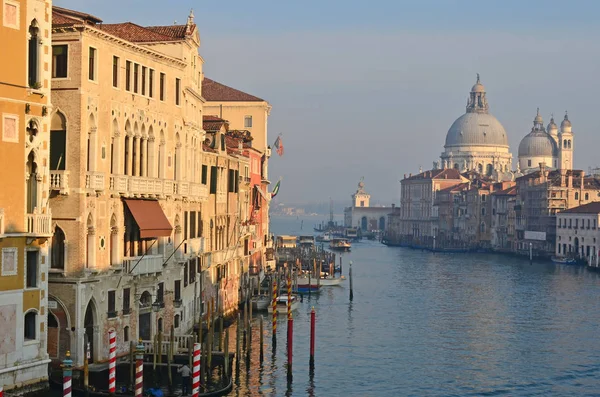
[
  {"x": 25, "y": 217},
  {"x": 150, "y": 197},
  {"x": 362, "y": 216}
]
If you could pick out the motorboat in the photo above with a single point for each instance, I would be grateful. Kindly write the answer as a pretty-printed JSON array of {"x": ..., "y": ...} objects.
[
  {"x": 282, "y": 301},
  {"x": 564, "y": 260},
  {"x": 340, "y": 244},
  {"x": 325, "y": 281},
  {"x": 260, "y": 302},
  {"x": 324, "y": 238}
]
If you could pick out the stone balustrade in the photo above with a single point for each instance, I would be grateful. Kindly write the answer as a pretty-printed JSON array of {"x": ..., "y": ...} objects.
[
  {"x": 149, "y": 264},
  {"x": 39, "y": 223},
  {"x": 156, "y": 187},
  {"x": 59, "y": 180},
  {"x": 94, "y": 181}
]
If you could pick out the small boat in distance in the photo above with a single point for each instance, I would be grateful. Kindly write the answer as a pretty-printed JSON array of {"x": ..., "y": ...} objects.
[
  {"x": 564, "y": 260},
  {"x": 326, "y": 281},
  {"x": 260, "y": 302},
  {"x": 324, "y": 238},
  {"x": 306, "y": 241},
  {"x": 282, "y": 301},
  {"x": 340, "y": 244}
]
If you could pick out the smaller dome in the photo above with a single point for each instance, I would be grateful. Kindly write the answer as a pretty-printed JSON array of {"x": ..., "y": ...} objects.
[
  {"x": 538, "y": 144},
  {"x": 565, "y": 123},
  {"x": 552, "y": 125},
  {"x": 478, "y": 87}
]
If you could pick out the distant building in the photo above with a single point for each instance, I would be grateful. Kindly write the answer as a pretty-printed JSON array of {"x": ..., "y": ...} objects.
[
  {"x": 362, "y": 216},
  {"x": 578, "y": 232}
]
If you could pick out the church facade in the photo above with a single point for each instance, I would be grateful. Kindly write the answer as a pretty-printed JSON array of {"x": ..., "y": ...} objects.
[{"x": 362, "y": 216}]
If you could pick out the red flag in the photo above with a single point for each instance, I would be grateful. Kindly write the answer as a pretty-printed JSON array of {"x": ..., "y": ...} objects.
[{"x": 279, "y": 146}]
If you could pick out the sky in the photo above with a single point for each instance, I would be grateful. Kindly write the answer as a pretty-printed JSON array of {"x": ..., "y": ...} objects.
[{"x": 370, "y": 88}]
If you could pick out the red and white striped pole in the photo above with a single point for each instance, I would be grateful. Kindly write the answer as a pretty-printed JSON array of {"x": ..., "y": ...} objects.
[
  {"x": 196, "y": 371},
  {"x": 67, "y": 373},
  {"x": 1, "y": 391},
  {"x": 112, "y": 362},
  {"x": 139, "y": 370}
]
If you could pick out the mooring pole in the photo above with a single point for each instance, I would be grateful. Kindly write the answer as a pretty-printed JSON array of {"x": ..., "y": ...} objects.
[
  {"x": 530, "y": 253},
  {"x": 196, "y": 371},
  {"x": 237, "y": 340},
  {"x": 139, "y": 370},
  {"x": 112, "y": 362},
  {"x": 262, "y": 356},
  {"x": 170, "y": 358},
  {"x": 245, "y": 321},
  {"x": 154, "y": 351},
  {"x": 340, "y": 264},
  {"x": 221, "y": 333},
  {"x": 132, "y": 349},
  {"x": 311, "y": 362},
  {"x": 350, "y": 275},
  {"x": 290, "y": 336},
  {"x": 86, "y": 368},
  {"x": 226, "y": 353},
  {"x": 274, "y": 313},
  {"x": 160, "y": 346},
  {"x": 67, "y": 367}
]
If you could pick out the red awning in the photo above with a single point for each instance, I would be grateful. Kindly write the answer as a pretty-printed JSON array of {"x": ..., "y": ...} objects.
[{"x": 150, "y": 218}]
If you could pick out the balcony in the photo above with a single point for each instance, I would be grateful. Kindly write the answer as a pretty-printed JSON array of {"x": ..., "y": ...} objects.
[
  {"x": 1, "y": 222},
  {"x": 138, "y": 266},
  {"x": 196, "y": 246},
  {"x": 38, "y": 224},
  {"x": 155, "y": 187},
  {"x": 94, "y": 181},
  {"x": 59, "y": 180}
]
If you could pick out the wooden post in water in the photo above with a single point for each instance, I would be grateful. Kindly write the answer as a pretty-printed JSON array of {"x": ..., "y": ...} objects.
[
  {"x": 170, "y": 357},
  {"x": 290, "y": 337},
  {"x": 160, "y": 346},
  {"x": 245, "y": 321},
  {"x": 154, "y": 351},
  {"x": 350, "y": 276},
  {"x": 226, "y": 353},
  {"x": 132, "y": 349},
  {"x": 191, "y": 353},
  {"x": 311, "y": 361},
  {"x": 220, "y": 333},
  {"x": 209, "y": 352},
  {"x": 274, "y": 313},
  {"x": 262, "y": 357},
  {"x": 86, "y": 368},
  {"x": 237, "y": 340},
  {"x": 340, "y": 264}
]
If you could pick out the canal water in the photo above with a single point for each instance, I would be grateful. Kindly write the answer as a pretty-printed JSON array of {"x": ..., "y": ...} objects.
[{"x": 426, "y": 324}]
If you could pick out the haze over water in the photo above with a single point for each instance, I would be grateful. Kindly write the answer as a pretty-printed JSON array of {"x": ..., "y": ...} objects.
[{"x": 438, "y": 325}]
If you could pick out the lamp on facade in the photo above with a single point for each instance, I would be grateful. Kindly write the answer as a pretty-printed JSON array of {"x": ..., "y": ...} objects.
[{"x": 156, "y": 306}]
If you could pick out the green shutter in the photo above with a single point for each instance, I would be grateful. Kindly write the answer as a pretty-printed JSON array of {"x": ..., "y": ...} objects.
[
  {"x": 213, "y": 180},
  {"x": 204, "y": 174}
]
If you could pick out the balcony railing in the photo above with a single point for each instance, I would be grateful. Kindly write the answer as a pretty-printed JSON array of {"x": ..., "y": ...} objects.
[
  {"x": 148, "y": 264},
  {"x": 1, "y": 221},
  {"x": 94, "y": 181},
  {"x": 39, "y": 223},
  {"x": 138, "y": 185},
  {"x": 59, "y": 180}
]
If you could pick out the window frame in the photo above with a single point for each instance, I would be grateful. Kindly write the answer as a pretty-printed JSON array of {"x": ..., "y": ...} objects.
[
  {"x": 136, "y": 78},
  {"x": 52, "y": 76},
  {"x": 111, "y": 313},
  {"x": 93, "y": 69},
  {"x": 116, "y": 69},
  {"x": 17, "y": 25},
  {"x": 36, "y": 327},
  {"x": 128, "y": 65},
  {"x": 143, "y": 80},
  {"x": 14, "y": 117},
  {"x": 246, "y": 123},
  {"x": 5, "y": 273},
  {"x": 151, "y": 83},
  {"x": 177, "y": 91},
  {"x": 162, "y": 92},
  {"x": 38, "y": 281}
]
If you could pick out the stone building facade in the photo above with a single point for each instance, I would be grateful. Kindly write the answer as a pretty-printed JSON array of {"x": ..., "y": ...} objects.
[
  {"x": 362, "y": 216},
  {"x": 25, "y": 216},
  {"x": 150, "y": 197},
  {"x": 578, "y": 233}
]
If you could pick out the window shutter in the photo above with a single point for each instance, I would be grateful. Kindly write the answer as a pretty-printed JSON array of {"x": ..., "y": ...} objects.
[{"x": 213, "y": 180}]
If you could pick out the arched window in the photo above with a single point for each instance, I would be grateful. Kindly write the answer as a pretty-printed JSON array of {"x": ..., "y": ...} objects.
[
  {"x": 58, "y": 142},
  {"x": 565, "y": 144},
  {"x": 127, "y": 149},
  {"x": 114, "y": 148},
  {"x": 30, "y": 326},
  {"x": 176, "y": 321},
  {"x": 587, "y": 196},
  {"x": 576, "y": 196},
  {"x": 32, "y": 183},
  {"x": 57, "y": 260},
  {"x": 489, "y": 170},
  {"x": 34, "y": 57},
  {"x": 91, "y": 144},
  {"x": 126, "y": 163},
  {"x": 126, "y": 334},
  {"x": 480, "y": 168},
  {"x": 161, "y": 155},
  {"x": 569, "y": 144}
]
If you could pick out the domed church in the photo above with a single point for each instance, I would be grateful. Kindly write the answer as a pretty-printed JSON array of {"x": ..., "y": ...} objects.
[
  {"x": 550, "y": 146},
  {"x": 477, "y": 141}
]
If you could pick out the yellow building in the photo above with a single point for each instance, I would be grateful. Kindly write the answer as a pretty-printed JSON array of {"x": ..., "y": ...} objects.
[{"x": 24, "y": 215}]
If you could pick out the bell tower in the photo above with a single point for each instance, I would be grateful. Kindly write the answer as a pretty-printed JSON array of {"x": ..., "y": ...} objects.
[
  {"x": 361, "y": 198},
  {"x": 565, "y": 144}
]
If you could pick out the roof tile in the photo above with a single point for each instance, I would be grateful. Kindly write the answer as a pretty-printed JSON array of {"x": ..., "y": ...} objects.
[{"x": 214, "y": 91}]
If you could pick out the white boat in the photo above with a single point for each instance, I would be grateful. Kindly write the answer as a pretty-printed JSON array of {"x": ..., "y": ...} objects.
[
  {"x": 326, "y": 281},
  {"x": 564, "y": 260},
  {"x": 260, "y": 302},
  {"x": 325, "y": 238},
  {"x": 340, "y": 244},
  {"x": 282, "y": 301}
]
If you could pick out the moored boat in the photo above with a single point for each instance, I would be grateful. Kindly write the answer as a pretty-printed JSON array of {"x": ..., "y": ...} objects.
[
  {"x": 260, "y": 302},
  {"x": 324, "y": 238},
  {"x": 282, "y": 301},
  {"x": 564, "y": 260},
  {"x": 340, "y": 244},
  {"x": 323, "y": 282}
]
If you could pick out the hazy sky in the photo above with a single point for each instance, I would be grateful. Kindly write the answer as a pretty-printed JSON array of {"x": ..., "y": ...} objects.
[{"x": 370, "y": 88}]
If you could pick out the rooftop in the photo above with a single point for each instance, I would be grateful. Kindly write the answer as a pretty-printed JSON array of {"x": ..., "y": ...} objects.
[
  {"x": 214, "y": 91},
  {"x": 590, "y": 208},
  {"x": 448, "y": 173}
]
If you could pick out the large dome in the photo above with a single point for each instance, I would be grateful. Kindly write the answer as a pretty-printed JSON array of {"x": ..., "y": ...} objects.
[
  {"x": 476, "y": 129},
  {"x": 538, "y": 144}
]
